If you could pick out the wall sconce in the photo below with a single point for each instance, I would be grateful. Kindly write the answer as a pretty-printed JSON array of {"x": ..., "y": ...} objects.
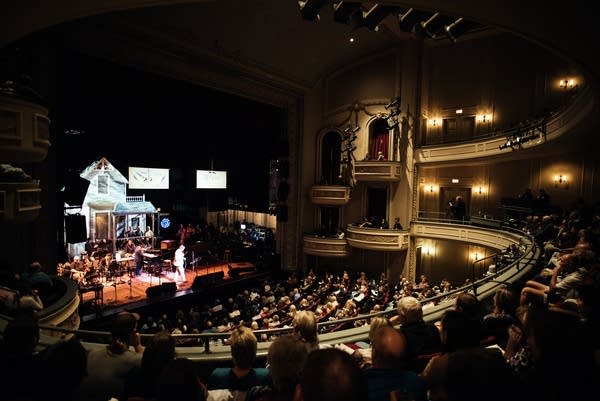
[
  {"x": 430, "y": 188},
  {"x": 561, "y": 180},
  {"x": 483, "y": 118},
  {"x": 566, "y": 83},
  {"x": 480, "y": 190}
]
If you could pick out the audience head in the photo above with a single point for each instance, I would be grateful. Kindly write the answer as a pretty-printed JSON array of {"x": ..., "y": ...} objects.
[
  {"x": 457, "y": 330},
  {"x": 469, "y": 304},
  {"x": 305, "y": 327},
  {"x": 409, "y": 310},
  {"x": 388, "y": 348},
  {"x": 376, "y": 323},
  {"x": 505, "y": 301},
  {"x": 65, "y": 366},
  {"x": 159, "y": 351},
  {"x": 287, "y": 356},
  {"x": 331, "y": 375},
  {"x": 123, "y": 327},
  {"x": 479, "y": 373},
  {"x": 243, "y": 347},
  {"x": 179, "y": 381},
  {"x": 21, "y": 335}
]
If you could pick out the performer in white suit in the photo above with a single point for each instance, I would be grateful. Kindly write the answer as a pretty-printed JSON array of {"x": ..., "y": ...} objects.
[{"x": 179, "y": 262}]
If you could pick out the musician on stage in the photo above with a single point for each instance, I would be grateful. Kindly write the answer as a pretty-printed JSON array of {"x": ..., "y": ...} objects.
[
  {"x": 179, "y": 263},
  {"x": 138, "y": 257}
]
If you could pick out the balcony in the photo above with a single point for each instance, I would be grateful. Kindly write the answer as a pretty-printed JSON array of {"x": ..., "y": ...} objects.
[
  {"x": 377, "y": 239},
  {"x": 330, "y": 195},
  {"x": 24, "y": 130},
  {"x": 20, "y": 201},
  {"x": 377, "y": 171},
  {"x": 325, "y": 246}
]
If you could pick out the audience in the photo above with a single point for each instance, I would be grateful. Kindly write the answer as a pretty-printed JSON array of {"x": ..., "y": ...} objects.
[
  {"x": 179, "y": 381},
  {"x": 242, "y": 376},
  {"x": 108, "y": 366},
  {"x": 286, "y": 357},
  {"x": 388, "y": 371},
  {"x": 331, "y": 375},
  {"x": 141, "y": 380}
]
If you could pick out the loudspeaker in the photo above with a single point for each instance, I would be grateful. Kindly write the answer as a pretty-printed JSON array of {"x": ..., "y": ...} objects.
[
  {"x": 154, "y": 291},
  {"x": 207, "y": 279},
  {"x": 75, "y": 228},
  {"x": 169, "y": 287}
]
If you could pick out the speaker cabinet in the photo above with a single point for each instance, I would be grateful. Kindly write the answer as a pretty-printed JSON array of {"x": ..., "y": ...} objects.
[
  {"x": 207, "y": 280},
  {"x": 169, "y": 287},
  {"x": 75, "y": 228},
  {"x": 154, "y": 291}
]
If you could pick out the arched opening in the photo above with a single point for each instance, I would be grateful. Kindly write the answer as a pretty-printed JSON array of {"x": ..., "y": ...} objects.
[{"x": 379, "y": 140}]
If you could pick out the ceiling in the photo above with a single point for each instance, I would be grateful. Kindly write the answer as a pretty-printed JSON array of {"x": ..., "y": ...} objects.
[{"x": 271, "y": 39}]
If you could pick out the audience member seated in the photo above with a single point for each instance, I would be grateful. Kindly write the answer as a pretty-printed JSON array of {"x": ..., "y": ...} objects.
[
  {"x": 286, "y": 358},
  {"x": 63, "y": 368},
  {"x": 331, "y": 375},
  {"x": 497, "y": 322},
  {"x": 141, "y": 380},
  {"x": 242, "y": 376},
  {"x": 18, "y": 356},
  {"x": 179, "y": 381},
  {"x": 422, "y": 338},
  {"x": 305, "y": 328},
  {"x": 388, "y": 371},
  {"x": 108, "y": 366}
]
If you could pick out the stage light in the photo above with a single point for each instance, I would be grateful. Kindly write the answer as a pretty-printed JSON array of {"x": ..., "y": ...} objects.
[
  {"x": 376, "y": 14},
  {"x": 409, "y": 21},
  {"x": 459, "y": 27},
  {"x": 344, "y": 11},
  {"x": 435, "y": 24},
  {"x": 309, "y": 9}
]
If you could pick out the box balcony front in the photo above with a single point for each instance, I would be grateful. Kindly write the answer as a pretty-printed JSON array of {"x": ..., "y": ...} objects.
[
  {"x": 325, "y": 246},
  {"x": 330, "y": 195},
  {"x": 377, "y": 239},
  {"x": 377, "y": 171}
]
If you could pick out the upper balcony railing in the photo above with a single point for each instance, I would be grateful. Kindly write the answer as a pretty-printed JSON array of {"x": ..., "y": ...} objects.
[{"x": 535, "y": 131}]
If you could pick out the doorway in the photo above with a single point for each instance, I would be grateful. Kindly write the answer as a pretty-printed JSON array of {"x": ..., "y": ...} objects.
[
  {"x": 377, "y": 204},
  {"x": 449, "y": 194}
]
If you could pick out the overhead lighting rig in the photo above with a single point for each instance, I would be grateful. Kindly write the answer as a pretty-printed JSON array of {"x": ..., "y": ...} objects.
[{"x": 392, "y": 117}]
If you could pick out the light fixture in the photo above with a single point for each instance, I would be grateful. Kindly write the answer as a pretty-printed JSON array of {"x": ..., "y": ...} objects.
[
  {"x": 566, "y": 83},
  {"x": 376, "y": 14},
  {"x": 434, "y": 122},
  {"x": 348, "y": 12},
  {"x": 459, "y": 27},
  {"x": 483, "y": 118},
  {"x": 455, "y": 180},
  {"x": 561, "y": 180},
  {"x": 410, "y": 20},
  {"x": 431, "y": 188},
  {"x": 459, "y": 111},
  {"x": 480, "y": 191},
  {"x": 435, "y": 25},
  {"x": 309, "y": 9}
]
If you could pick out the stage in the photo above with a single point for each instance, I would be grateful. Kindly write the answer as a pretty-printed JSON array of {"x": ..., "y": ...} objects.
[{"x": 123, "y": 291}]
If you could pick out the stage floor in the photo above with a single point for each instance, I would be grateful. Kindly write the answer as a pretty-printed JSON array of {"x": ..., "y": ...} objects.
[{"x": 124, "y": 290}]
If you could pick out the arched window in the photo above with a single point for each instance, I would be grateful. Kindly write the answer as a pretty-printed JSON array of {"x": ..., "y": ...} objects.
[{"x": 379, "y": 140}]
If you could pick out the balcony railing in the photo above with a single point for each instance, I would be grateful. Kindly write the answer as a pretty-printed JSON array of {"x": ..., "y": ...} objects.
[
  {"x": 324, "y": 246},
  {"x": 377, "y": 239},
  {"x": 330, "y": 195},
  {"x": 377, "y": 170}
]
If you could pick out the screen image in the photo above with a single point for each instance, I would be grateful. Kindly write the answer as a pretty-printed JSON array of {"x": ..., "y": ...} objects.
[
  {"x": 206, "y": 179},
  {"x": 148, "y": 178}
]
